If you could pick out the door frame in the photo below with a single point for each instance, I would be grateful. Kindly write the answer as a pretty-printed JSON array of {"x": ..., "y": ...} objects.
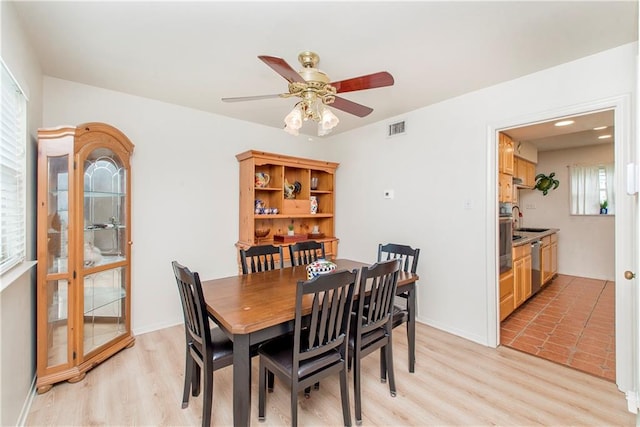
[{"x": 627, "y": 239}]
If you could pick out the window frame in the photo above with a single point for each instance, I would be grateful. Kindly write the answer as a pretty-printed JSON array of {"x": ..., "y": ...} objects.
[
  {"x": 13, "y": 172},
  {"x": 603, "y": 189}
]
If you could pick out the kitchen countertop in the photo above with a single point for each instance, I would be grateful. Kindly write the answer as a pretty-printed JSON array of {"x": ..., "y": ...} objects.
[{"x": 529, "y": 236}]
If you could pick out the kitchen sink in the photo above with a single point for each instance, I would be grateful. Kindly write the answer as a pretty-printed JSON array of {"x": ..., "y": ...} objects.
[
  {"x": 533, "y": 230},
  {"x": 516, "y": 237}
]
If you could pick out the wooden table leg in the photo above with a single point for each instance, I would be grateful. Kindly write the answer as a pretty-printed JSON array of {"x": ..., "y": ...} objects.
[
  {"x": 241, "y": 381},
  {"x": 411, "y": 325}
]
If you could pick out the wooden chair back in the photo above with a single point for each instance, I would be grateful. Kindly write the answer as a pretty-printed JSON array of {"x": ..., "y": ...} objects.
[
  {"x": 196, "y": 319},
  {"x": 303, "y": 253},
  {"x": 328, "y": 322},
  {"x": 379, "y": 283},
  {"x": 261, "y": 258},
  {"x": 406, "y": 254}
]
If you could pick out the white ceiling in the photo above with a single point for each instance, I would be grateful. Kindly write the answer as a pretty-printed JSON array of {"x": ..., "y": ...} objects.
[
  {"x": 195, "y": 53},
  {"x": 546, "y": 136}
]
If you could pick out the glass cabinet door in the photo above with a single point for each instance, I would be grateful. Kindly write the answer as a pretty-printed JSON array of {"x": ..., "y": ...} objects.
[
  {"x": 104, "y": 249},
  {"x": 57, "y": 285}
]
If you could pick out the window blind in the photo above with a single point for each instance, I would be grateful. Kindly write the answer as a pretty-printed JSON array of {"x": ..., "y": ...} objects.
[{"x": 13, "y": 140}]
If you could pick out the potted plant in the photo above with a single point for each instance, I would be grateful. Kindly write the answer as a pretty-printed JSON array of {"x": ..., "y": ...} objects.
[
  {"x": 603, "y": 207},
  {"x": 290, "y": 232}
]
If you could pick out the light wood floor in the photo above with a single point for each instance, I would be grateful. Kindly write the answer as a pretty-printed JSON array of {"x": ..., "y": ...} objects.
[{"x": 456, "y": 383}]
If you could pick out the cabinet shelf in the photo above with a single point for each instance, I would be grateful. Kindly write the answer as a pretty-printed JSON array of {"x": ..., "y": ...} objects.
[
  {"x": 309, "y": 215},
  {"x": 101, "y": 194}
]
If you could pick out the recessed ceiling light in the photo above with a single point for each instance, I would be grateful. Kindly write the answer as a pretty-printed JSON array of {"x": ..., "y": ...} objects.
[
  {"x": 600, "y": 127},
  {"x": 604, "y": 136},
  {"x": 564, "y": 123}
]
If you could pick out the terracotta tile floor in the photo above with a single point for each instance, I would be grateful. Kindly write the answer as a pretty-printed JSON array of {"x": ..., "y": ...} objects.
[{"x": 571, "y": 322}]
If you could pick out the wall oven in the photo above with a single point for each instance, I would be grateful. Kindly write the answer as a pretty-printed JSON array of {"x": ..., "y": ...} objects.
[{"x": 506, "y": 238}]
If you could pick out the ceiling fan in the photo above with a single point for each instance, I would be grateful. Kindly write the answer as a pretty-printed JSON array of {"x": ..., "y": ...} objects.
[{"x": 316, "y": 90}]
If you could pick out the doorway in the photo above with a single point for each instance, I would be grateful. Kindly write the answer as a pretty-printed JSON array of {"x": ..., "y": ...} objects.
[{"x": 625, "y": 237}]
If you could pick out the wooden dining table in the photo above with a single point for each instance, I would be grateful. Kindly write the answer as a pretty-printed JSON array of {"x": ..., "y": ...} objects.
[{"x": 254, "y": 308}]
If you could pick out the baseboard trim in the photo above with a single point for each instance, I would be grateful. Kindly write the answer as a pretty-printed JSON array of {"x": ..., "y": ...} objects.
[{"x": 26, "y": 407}]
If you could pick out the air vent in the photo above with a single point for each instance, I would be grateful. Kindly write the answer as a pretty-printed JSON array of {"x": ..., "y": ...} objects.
[{"x": 398, "y": 128}]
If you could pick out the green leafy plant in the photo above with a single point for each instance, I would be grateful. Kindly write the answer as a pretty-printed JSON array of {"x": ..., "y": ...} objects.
[
  {"x": 604, "y": 204},
  {"x": 290, "y": 227}
]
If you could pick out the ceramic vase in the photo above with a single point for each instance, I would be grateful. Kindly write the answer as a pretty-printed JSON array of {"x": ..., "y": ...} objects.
[{"x": 314, "y": 204}]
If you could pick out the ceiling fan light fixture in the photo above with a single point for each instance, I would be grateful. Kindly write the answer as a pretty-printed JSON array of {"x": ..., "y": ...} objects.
[
  {"x": 328, "y": 120},
  {"x": 293, "y": 120},
  {"x": 291, "y": 131}
]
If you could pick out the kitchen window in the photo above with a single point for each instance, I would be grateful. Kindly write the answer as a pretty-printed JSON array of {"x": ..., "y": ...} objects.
[
  {"x": 13, "y": 144},
  {"x": 591, "y": 189}
]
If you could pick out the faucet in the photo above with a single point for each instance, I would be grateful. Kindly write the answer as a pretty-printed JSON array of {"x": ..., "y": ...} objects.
[{"x": 516, "y": 219}]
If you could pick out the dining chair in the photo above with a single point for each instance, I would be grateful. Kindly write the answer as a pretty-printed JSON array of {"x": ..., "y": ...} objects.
[
  {"x": 261, "y": 258},
  {"x": 372, "y": 328},
  {"x": 408, "y": 257},
  {"x": 207, "y": 349},
  {"x": 303, "y": 253},
  {"x": 317, "y": 347}
]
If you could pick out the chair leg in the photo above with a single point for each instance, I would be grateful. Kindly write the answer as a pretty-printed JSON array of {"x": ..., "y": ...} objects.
[
  {"x": 356, "y": 389},
  {"x": 411, "y": 339},
  {"x": 383, "y": 366},
  {"x": 270, "y": 380},
  {"x": 207, "y": 399},
  {"x": 344, "y": 394},
  {"x": 262, "y": 395},
  {"x": 188, "y": 373},
  {"x": 294, "y": 407},
  {"x": 195, "y": 379},
  {"x": 389, "y": 356}
]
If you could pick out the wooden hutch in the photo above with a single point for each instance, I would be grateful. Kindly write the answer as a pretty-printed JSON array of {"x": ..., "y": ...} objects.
[{"x": 259, "y": 200}]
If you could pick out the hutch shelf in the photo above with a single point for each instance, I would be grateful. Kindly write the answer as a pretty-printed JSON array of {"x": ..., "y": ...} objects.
[
  {"x": 84, "y": 250},
  {"x": 266, "y": 180}
]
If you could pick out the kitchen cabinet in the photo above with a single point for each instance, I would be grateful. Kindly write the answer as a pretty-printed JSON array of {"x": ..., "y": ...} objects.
[
  {"x": 521, "y": 273},
  {"x": 84, "y": 250},
  {"x": 268, "y": 204},
  {"x": 506, "y": 294},
  {"x": 505, "y": 154},
  {"x": 505, "y": 187},
  {"x": 525, "y": 171}
]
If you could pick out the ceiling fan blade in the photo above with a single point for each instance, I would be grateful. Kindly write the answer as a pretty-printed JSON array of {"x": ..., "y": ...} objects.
[
  {"x": 351, "y": 107},
  {"x": 369, "y": 81},
  {"x": 281, "y": 67},
  {"x": 251, "y": 98}
]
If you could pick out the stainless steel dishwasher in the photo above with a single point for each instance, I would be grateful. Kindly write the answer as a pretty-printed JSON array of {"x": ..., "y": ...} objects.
[{"x": 536, "y": 274}]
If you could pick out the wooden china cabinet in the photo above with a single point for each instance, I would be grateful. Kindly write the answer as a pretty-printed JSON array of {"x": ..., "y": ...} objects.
[
  {"x": 84, "y": 250},
  {"x": 259, "y": 199}
]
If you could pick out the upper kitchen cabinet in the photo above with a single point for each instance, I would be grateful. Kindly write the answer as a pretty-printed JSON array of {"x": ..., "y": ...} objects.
[
  {"x": 525, "y": 171},
  {"x": 84, "y": 250},
  {"x": 505, "y": 188},
  {"x": 505, "y": 154}
]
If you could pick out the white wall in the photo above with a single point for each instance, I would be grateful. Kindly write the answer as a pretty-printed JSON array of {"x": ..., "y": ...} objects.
[
  {"x": 184, "y": 183},
  {"x": 585, "y": 243},
  {"x": 17, "y": 300},
  {"x": 445, "y": 162}
]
